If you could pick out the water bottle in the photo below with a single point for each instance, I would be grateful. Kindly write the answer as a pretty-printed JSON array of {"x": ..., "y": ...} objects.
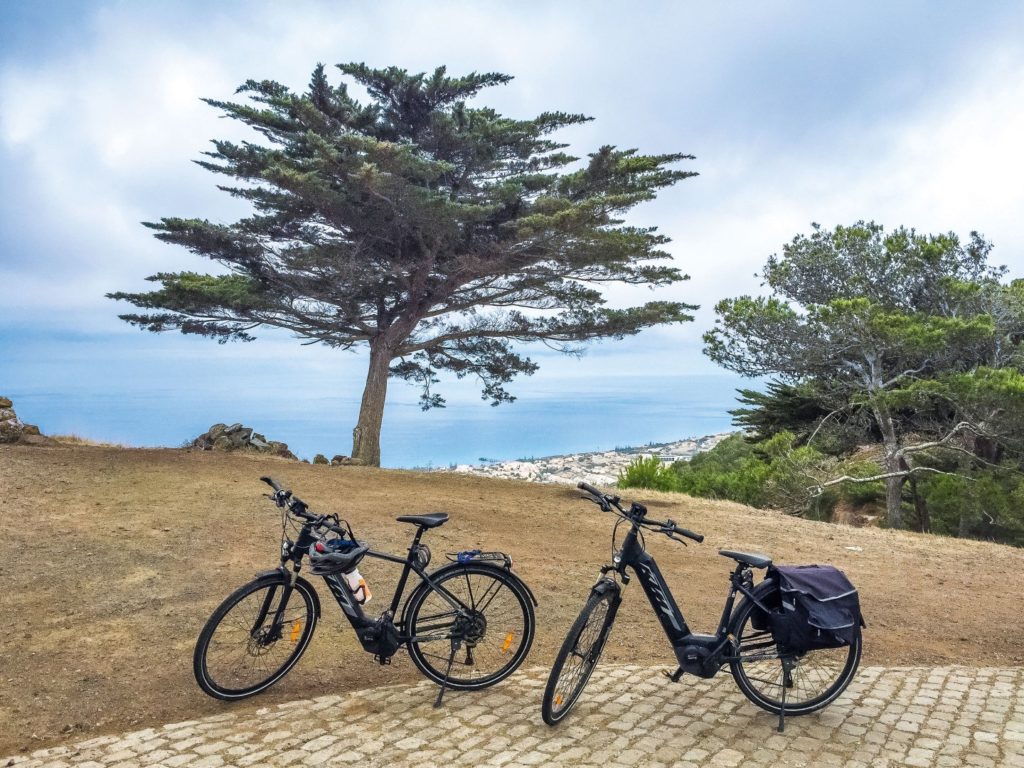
[{"x": 357, "y": 584}]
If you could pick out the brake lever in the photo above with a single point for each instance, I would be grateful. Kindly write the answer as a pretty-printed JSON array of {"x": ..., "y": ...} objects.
[
  {"x": 600, "y": 502},
  {"x": 669, "y": 534}
]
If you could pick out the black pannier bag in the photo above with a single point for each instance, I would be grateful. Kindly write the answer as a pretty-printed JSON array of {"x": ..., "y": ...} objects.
[{"x": 818, "y": 608}]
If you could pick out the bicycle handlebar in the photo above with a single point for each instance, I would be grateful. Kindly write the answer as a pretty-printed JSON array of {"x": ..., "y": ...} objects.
[
  {"x": 667, "y": 527},
  {"x": 298, "y": 507}
]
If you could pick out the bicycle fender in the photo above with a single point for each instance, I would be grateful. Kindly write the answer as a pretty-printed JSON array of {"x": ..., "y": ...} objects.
[
  {"x": 606, "y": 586},
  {"x": 272, "y": 571},
  {"x": 761, "y": 593},
  {"x": 528, "y": 592},
  {"x": 282, "y": 571}
]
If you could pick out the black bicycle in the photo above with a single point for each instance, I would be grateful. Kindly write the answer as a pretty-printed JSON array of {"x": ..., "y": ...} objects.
[
  {"x": 467, "y": 625},
  {"x": 773, "y": 678}
]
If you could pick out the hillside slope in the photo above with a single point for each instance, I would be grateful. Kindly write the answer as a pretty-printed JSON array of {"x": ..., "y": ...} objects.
[{"x": 112, "y": 559}]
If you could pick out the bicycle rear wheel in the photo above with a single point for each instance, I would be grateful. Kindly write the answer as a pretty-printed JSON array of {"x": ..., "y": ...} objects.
[
  {"x": 579, "y": 655},
  {"x": 249, "y": 643},
  {"x": 479, "y": 645},
  {"x": 816, "y": 679}
]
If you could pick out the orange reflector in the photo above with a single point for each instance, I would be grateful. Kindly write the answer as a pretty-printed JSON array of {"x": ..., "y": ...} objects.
[
  {"x": 507, "y": 644},
  {"x": 558, "y": 700},
  {"x": 296, "y": 627}
]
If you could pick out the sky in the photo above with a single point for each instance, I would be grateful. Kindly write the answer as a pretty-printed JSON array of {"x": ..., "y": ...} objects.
[{"x": 797, "y": 112}]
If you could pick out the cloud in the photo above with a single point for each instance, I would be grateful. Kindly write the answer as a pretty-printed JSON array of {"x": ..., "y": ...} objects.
[{"x": 797, "y": 114}]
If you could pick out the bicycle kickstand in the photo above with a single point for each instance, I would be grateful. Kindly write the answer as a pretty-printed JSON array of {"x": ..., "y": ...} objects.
[
  {"x": 456, "y": 644},
  {"x": 787, "y": 682},
  {"x": 673, "y": 676}
]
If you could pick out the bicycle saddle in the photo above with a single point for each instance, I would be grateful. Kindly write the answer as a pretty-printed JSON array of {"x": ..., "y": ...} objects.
[
  {"x": 754, "y": 561},
  {"x": 431, "y": 520}
]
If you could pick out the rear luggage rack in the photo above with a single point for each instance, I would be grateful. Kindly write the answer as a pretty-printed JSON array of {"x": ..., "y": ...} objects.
[{"x": 470, "y": 555}]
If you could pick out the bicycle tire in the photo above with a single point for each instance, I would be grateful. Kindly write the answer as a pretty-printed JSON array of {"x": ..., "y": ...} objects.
[
  {"x": 234, "y": 619},
  {"x": 560, "y": 695},
  {"x": 511, "y": 620},
  {"x": 818, "y": 678}
]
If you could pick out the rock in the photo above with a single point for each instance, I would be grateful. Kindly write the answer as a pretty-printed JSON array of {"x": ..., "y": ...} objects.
[
  {"x": 238, "y": 437},
  {"x": 10, "y": 431},
  {"x": 339, "y": 461},
  {"x": 13, "y": 429},
  {"x": 320, "y": 459}
]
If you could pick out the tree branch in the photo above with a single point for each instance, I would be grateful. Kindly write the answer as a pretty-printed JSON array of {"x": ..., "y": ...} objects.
[{"x": 820, "y": 488}]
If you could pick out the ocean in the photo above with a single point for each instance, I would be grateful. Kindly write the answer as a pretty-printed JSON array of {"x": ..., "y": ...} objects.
[{"x": 573, "y": 416}]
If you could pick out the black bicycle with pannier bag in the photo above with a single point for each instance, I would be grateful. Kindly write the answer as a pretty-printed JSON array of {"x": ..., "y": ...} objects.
[{"x": 792, "y": 641}]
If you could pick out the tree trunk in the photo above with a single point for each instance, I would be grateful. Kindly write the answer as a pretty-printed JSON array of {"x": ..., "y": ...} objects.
[
  {"x": 894, "y": 501},
  {"x": 366, "y": 435},
  {"x": 893, "y": 485},
  {"x": 924, "y": 523}
]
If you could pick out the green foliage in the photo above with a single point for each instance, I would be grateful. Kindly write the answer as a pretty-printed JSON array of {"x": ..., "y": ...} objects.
[
  {"x": 397, "y": 219},
  {"x": 648, "y": 473},
  {"x": 988, "y": 505},
  {"x": 783, "y": 407},
  {"x": 731, "y": 470},
  {"x": 769, "y": 474},
  {"x": 903, "y": 340}
]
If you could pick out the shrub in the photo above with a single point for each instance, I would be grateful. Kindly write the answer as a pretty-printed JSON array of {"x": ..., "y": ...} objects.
[
  {"x": 731, "y": 470},
  {"x": 648, "y": 473}
]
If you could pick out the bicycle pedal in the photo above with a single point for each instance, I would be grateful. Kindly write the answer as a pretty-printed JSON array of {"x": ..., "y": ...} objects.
[
  {"x": 673, "y": 676},
  {"x": 384, "y": 661}
]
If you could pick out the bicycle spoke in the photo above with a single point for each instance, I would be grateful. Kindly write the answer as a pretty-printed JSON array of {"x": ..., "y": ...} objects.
[
  {"x": 492, "y": 627},
  {"x": 240, "y": 654}
]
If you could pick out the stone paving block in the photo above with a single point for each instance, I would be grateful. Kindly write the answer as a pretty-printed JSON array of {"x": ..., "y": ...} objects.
[{"x": 628, "y": 716}]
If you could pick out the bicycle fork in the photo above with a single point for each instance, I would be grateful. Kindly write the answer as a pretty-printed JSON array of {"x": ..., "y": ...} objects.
[{"x": 268, "y": 601}]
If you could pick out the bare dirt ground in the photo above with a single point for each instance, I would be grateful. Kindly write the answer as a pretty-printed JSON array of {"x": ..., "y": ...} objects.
[{"x": 112, "y": 559}]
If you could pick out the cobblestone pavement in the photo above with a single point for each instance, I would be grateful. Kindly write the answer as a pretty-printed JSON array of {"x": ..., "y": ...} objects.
[{"x": 948, "y": 716}]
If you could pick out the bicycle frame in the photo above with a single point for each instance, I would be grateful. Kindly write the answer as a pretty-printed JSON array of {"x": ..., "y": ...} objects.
[
  {"x": 702, "y": 655},
  {"x": 352, "y": 609}
]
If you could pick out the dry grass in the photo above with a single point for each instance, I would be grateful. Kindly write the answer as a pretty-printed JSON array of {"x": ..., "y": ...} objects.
[
  {"x": 78, "y": 440},
  {"x": 112, "y": 559}
]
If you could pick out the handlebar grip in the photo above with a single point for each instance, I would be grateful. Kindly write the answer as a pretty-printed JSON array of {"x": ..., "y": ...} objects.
[
  {"x": 590, "y": 489},
  {"x": 270, "y": 481},
  {"x": 698, "y": 537}
]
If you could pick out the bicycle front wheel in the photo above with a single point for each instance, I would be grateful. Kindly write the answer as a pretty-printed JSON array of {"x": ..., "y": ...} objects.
[
  {"x": 816, "y": 679},
  {"x": 479, "y": 643},
  {"x": 255, "y": 637},
  {"x": 579, "y": 655}
]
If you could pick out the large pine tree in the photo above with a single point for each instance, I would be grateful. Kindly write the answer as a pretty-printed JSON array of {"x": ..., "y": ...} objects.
[{"x": 436, "y": 233}]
